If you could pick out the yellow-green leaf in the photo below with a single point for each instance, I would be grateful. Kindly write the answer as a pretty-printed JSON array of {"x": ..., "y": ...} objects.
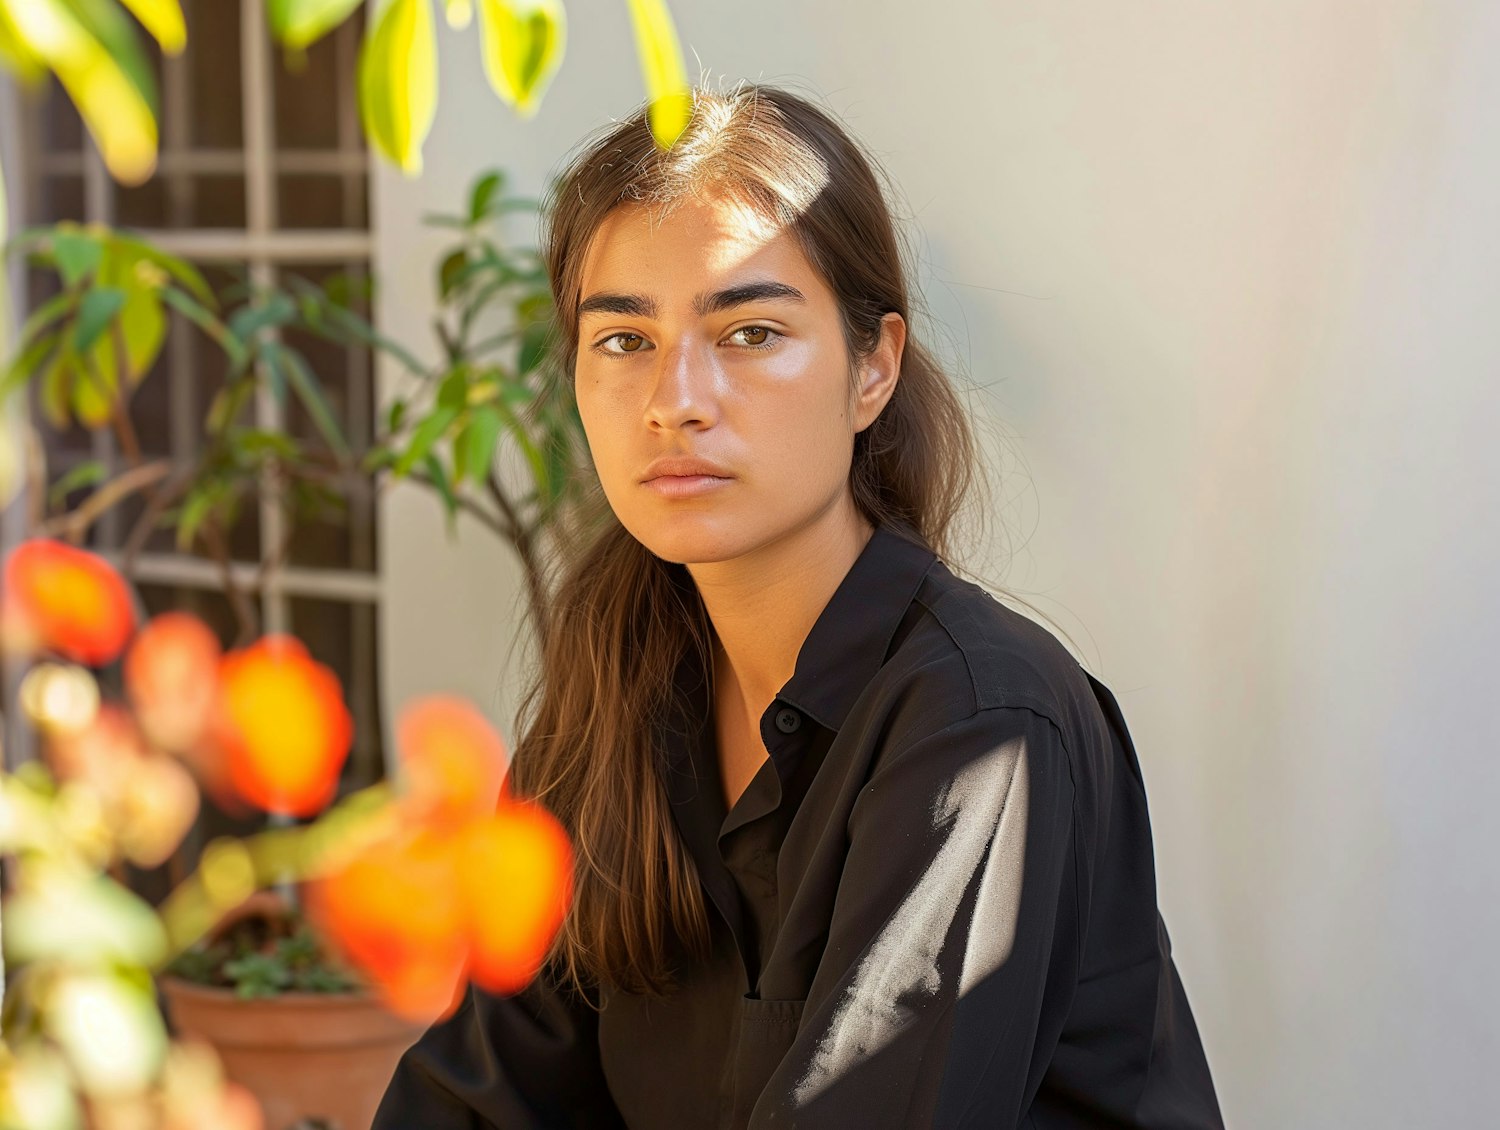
[
  {"x": 14, "y": 54},
  {"x": 56, "y": 390},
  {"x": 398, "y": 81},
  {"x": 103, "y": 80},
  {"x": 163, "y": 19},
  {"x": 143, "y": 325},
  {"x": 662, "y": 67},
  {"x": 523, "y": 47},
  {"x": 300, "y": 23},
  {"x": 94, "y": 392}
]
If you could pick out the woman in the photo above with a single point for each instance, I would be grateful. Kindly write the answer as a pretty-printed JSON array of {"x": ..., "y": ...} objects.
[{"x": 858, "y": 845}]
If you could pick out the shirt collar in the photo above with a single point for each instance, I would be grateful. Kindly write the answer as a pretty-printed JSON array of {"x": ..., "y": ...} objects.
[
  {"x": 847, "y": 643},
  {"x": 845, "y": 646}
]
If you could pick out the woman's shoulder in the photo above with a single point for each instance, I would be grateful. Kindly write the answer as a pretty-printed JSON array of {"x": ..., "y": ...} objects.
[{"x": 964, "y": 651}]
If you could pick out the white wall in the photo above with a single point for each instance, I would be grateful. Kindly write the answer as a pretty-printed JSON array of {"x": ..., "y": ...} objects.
[{"x": 1229, "y": 274}]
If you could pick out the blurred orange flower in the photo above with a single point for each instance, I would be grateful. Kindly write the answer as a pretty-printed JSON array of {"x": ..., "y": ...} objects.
[
  {"x": 393, "y": 912},
  {"x": 281, "y": 726},
  {"x": 149, "y": 802},
  {"x": 171, "y": 676},
  {"x": 463, "y": 888},
  {"x": 67, "y": 600},
  {"x": 453, "y": 761},
  {"x": 515, "y": 883}
]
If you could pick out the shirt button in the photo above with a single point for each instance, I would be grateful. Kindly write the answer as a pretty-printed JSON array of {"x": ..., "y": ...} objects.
[{"x": 787, "y": 719}]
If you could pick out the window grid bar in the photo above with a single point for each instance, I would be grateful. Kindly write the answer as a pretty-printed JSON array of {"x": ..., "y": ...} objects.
[
  {"x": 260, "y": 220},
  {"x": 223, "y": 162},
  {"x": 233, "y": 244},
  {"x": 287, "y": 581}
]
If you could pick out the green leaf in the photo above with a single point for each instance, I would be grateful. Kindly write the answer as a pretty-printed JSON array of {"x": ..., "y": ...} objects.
[
  {"x": 480, "y": 439},
  {"x": 195, "y": 509},
  {"x": 187, "y": 275},
  {"x": 163, "y": 19},
  {"x": 444, "y": 489},
  {"x": 15, "y": 55},
  {"x": 94, "y": 391},
  {"x": 204, "y": 319},
  {"x": 228, "y": 402},
  {"x": 451, "y": 272},
  {"x": 92, "y": 48},
  {"x": 276, "y": 310},
  {"x": 77, "y": 255},
  {"x": 83, "y": 475},
  {"x": 427, "y": 433},
  {"x": 306, "y": 386},
  {"x": 28, "y": 364},
  {"x": 49, "y": 312},
  {"x": 483, "y": 192},
  {"x": 395, "y": 414},
  {"x": 300, "y": 23},
  {"x": 398, "y": 81},
  {"x": 95, "y": 312},
  {"x": 523, "y": 43},
  {"x": 55, "y": 393},
  {"x": 453, "y": 392}
]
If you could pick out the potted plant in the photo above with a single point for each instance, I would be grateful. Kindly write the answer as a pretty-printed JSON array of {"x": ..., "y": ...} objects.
[
  {"x": 84, "y": 1043},
  {"x": 286, "y": 1015},
  {"x": 246, "y": 978}
]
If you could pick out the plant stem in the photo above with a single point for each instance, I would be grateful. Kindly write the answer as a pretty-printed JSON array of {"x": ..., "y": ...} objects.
[{"x": 74, "y": 524}]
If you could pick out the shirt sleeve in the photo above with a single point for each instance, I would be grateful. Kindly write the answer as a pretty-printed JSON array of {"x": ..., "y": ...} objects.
[
  {"x": 955, "y": 914},
  {"x": 527, "y": 1061}
]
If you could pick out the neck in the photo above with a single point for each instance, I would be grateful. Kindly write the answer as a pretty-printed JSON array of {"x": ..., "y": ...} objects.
[{"x": 764, "y": 603}]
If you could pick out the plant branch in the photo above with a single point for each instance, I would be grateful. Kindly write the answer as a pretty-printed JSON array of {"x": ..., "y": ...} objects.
[
  {"x": 244, "y": 614},
  {"x": 74, "y": 524}
]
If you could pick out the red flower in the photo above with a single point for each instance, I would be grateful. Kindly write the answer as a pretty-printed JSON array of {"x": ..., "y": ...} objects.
[
  {"x": 69, "y": 600},
  {"x": 282, "y": 726},
  {"x": 453, "y": 760}
]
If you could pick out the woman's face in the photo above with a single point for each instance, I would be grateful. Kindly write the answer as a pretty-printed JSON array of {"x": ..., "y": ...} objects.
[{"x": 673, "y": 362}]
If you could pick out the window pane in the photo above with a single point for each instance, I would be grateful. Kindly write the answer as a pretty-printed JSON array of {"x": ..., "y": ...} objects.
[
  {"x": 341, "y": 636},
  {"x": 215, "y": 101},
  {"x": 60, "y": 128},
  {"x": 58, "y": 198},
  {"x": 309, "y": 95},
  {"x": 319, "y": 201}
]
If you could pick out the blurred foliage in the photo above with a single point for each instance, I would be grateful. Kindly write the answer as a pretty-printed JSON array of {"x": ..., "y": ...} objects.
[
  {"x": 81, "y": 1033},
  {"x": 94, "y": 49},
  {"x": 494, "y": 386}
]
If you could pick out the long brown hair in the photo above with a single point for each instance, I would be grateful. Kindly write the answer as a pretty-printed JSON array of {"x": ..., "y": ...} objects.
[{"x": 620, "y": 618}]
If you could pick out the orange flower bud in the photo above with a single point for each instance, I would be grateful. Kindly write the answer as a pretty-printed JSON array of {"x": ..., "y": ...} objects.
[
  {"x": 515, "y": 882},
  {"x": 453, "y": 761},
  {"x": 68, "y": 600},
  {"x": 393, "y": 913},
  {"x": 171, "y": 676},
  {"x": 282, "y": 725}
]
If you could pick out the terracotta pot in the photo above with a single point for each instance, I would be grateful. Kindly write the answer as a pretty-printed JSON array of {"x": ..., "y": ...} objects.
[{"x": 303, "y": 1055}]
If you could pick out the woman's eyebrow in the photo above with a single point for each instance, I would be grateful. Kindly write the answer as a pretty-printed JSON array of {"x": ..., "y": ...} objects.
[{"x": 644, "y": 306}]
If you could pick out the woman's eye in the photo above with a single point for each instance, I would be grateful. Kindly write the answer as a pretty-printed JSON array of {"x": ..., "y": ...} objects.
[
  {"x": 766, "y": 339},
  {"x": 637, "y": 339},
  {"x": 756, "y": 337}
]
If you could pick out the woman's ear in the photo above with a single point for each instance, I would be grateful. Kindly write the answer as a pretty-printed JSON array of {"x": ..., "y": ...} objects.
[{"x": 880, "y": 370}]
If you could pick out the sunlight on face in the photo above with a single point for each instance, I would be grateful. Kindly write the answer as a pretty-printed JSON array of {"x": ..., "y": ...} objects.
[{"x": 758, "y": 385}]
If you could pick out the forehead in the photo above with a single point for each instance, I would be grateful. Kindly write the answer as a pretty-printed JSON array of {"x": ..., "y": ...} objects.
[{"x": 638, "y": 247}]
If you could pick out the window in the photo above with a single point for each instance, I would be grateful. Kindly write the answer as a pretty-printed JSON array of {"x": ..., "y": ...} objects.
[{"x": 263, "y": 172}]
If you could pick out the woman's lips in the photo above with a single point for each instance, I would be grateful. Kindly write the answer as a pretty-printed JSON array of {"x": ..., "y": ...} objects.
[{"x": 685, "y": 486}]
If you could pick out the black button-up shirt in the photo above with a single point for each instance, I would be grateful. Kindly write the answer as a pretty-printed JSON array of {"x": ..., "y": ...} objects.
[{"x": 934, "y": 905}]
